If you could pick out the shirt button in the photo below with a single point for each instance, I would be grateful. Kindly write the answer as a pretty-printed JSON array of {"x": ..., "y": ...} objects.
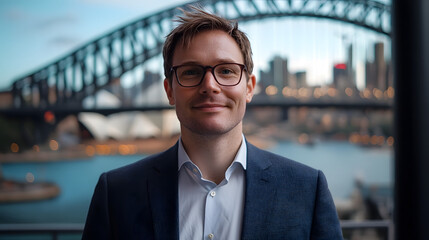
[
  {"x": 212, "y": 193},
  {"x": 211, "y": 236}
]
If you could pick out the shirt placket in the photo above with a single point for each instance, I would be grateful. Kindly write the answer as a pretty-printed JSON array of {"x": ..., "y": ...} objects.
[{"x": 211, "y": 215}]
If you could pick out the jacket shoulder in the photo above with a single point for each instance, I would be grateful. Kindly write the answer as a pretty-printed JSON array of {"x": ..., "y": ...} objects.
[
  {"x": 278, "y": 163},
  {"x": 166, "y": 160}
]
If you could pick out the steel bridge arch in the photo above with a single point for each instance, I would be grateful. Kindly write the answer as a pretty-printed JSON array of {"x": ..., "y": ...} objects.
[{"x": 95, "y": 65}]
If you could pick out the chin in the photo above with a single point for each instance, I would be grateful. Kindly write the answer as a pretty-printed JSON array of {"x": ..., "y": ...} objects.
[{"x": 211, "y": 129}]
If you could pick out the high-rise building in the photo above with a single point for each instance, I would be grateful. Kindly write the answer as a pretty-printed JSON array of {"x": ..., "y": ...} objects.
[
  {"x": 277, "y": 75},
  {"x": 301, "y": 79},
  {"x": 389, "y": 74},
  {"x": 340, "y": 76},
  {"x": 343, "y": 73},
  {"x": 351, "y": 78},
  {"x": 378, "y": 73},
  {"x": 280, "y": 72},
  {"x": 370, "y": 80},
  {"x": 265, "y": 79},
  {"x": 380, "y": 66}
]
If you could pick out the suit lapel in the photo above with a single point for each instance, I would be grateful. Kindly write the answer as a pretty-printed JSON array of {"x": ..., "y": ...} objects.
[
  {"x": 260, "y": 193},
  {"x": 163, "y": 192}
]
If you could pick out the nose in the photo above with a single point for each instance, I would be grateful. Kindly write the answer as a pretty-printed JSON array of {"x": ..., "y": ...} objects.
[{"x": 209, "y": 83}]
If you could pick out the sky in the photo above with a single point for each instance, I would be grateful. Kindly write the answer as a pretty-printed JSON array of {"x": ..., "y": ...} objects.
[{"x": 36, "y": 33}]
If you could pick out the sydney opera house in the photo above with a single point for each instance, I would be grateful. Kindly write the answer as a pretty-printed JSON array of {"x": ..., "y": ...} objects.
[{"x": 129, "y": 125}]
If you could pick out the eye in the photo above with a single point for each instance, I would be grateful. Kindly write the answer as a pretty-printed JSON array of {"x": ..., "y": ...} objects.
[
  {"x": 226, "y": 71},
  {"x": 190, "y": 71}
]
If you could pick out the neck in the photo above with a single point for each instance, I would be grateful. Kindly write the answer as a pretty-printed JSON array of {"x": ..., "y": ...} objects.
[{"x": 212, "y": 154}]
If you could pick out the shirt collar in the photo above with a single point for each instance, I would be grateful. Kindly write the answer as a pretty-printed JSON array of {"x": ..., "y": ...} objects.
[{"x": 240, "y": 157}]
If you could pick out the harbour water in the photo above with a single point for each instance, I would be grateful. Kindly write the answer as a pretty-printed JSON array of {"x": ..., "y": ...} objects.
[{"x": 341, "y": 162}]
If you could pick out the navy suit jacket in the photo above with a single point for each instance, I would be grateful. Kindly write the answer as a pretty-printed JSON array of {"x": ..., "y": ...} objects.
[{"x": 283, "y": 200}]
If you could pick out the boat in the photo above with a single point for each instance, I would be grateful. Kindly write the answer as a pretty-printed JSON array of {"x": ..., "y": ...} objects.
[{"x": 14, "y": 191}]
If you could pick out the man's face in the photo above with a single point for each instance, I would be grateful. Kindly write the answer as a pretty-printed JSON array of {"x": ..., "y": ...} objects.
[{"x": 209, "y": 108}]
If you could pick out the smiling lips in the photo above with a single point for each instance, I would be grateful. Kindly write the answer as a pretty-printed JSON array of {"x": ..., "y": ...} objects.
[{"x": 209, "y": 107}]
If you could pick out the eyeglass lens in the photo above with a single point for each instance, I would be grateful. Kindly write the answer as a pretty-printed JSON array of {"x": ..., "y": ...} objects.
[{"x": 225, "y": 74}]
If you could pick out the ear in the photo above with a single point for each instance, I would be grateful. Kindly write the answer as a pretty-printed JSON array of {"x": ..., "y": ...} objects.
[
  {"x": 250, "y": 86},
  {"x": 169, "y": 91}
]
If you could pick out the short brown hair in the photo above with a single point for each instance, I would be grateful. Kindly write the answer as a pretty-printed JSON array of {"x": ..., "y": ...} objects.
[{"x": 198, "y": 20}]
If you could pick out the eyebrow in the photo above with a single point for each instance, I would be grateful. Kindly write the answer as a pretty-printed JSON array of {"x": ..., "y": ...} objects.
[{"x": 219, "y": 61}]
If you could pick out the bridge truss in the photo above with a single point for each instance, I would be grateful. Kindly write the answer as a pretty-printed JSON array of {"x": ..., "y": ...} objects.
[{"x": 94, "y": 66}]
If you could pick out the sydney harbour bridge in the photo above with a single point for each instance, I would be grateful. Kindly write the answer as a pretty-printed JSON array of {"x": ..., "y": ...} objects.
[{"x": 62, "y": 86}]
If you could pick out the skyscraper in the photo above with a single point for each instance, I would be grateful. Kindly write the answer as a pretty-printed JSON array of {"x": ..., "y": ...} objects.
[
  {"x": 343, "y": 73},
  {"x": 340, "y": 76},
  {"x": 277, "y": 75},
  {"x": 351, "y": 77},
  {"x": 376, "y": 72},
  {"x": 380, "y": 66},
  {"x": 301, "y": 79}
]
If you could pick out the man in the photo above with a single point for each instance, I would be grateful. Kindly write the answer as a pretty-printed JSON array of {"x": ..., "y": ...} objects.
[{"x": 212, "y": 184}]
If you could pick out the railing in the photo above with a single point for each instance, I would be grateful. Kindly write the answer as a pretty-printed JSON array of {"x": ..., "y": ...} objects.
[
  {"x": 51, "y": 230},
  {"x": 387, "y": 225},
  {"x": 55, "y": 230}
]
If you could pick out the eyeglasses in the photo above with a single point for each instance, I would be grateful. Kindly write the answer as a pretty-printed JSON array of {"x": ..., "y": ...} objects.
[{"x": 225, "y": 74}]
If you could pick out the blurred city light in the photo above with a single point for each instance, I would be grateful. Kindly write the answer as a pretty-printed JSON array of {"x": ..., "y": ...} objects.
[
  {"x": 14, "y": 148},
  {"x": 90, "y": 150},
  {"x": 53, "y": 145},
  {"x": 271, "y": 90},
  {"x": 349, "y": 92},
  {"x": 49, "y": 117},
  {"x": 36, "y": 148}
]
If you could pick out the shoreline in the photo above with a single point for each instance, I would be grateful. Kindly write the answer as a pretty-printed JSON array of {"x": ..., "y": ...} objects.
[{"x": 88, "y": 149}]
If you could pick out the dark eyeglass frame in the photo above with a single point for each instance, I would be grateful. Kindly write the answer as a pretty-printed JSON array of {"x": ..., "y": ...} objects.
[{"x": 212, "y": 68}]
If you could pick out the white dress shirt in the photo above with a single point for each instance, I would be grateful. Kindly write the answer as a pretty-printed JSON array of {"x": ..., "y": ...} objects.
[{"x": 208, "y": 211}]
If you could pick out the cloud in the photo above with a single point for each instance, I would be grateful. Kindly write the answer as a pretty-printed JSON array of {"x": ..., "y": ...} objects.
[
  {"x": 14, "y": 14},
  {"x": 56, "y": 22},
  {"x": 64, "y": 41}
]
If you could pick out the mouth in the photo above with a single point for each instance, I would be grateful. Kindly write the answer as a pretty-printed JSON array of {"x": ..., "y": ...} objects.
[{"x": 209, "y": 107}]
